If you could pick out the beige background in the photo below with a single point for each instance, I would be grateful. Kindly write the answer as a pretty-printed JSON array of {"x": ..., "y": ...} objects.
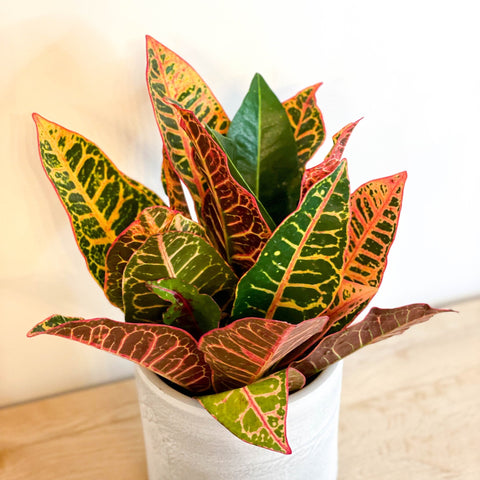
[{"x": 410, "y": 69}]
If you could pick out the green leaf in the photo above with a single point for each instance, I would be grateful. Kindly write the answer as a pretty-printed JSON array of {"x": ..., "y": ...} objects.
[
  {"x": 229, "y": 212},
  {"x": 256, "y": 413},
  {"x": 168, "y": 351},
  {"x": 378, "y": 325},
  {"x": 266, "y": 150},
  {"x": 247, "y": 349},
  {"x": 189, "y": 310},
  {"x": 300, "y": 268},
  {"x": 152, "y": 220},
  {"x": 307, "y": 122},
  {"x": 179, "y": 255},
  {"x": 100, "y": 201}
]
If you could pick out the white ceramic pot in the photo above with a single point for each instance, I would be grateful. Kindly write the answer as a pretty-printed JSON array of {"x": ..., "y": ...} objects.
[{"x": 184, "y": 442}]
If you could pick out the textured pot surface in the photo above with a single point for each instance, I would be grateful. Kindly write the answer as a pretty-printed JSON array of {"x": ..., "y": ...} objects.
[{"x": 184, "y": 442}]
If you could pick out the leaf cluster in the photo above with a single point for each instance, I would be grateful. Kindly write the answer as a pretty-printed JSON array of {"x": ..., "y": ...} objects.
[{"x": 258, "y": 294}]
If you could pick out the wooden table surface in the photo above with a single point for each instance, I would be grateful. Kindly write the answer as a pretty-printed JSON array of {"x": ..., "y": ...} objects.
[{"x": 410, "y": 410}]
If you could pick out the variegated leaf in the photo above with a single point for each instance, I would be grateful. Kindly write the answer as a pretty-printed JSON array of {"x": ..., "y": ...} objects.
[
  {"x": 378, "y": 325},
  {"x": 247, "y": 349},
  {"x": 229, "y": 148},
  {"x": 152, "y": 220},
  {"x": 256, "y": 413},
  {"x": 375, "y": 210},
  {"x": 151, "y": 197},
  {"x": 350, "y": 300},
  {"x": 179, "y": 255},
  {"x": 299, "y": 270},
  {"x": 307, "y": 122},
  {"x": 229, "y": 212},
  {"x": 100, "y": 201},
  {"x": 167, "y": 351},
  {"x": 331, "y": 162},
  {"x": 190, "y": 310},
  {"x": 173, "y": 186},
  {"x": 170, "y": 77}
]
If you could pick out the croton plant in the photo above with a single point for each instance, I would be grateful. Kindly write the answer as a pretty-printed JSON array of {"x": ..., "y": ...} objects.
[{"x": 251, "y": 294}]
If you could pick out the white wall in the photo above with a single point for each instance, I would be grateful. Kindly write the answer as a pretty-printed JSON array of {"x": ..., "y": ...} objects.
[{"x": 410, "y": 68}]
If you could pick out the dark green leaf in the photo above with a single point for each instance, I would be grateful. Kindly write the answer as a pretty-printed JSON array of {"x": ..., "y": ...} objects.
[{"x": 266, "y": 150}]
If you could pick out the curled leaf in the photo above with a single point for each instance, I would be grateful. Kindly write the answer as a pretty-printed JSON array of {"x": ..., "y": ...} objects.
[{"x": 190, "y": 310}]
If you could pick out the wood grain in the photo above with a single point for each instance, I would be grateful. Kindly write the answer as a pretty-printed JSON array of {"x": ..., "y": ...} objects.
[
  {"x": 90, "y": 434},
  {"x": 409, "y": 411},
  {"x": 410, "y": 404}
]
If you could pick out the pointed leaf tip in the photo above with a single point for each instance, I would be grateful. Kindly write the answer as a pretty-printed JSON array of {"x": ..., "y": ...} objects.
[{"x": 379, "y": 324}]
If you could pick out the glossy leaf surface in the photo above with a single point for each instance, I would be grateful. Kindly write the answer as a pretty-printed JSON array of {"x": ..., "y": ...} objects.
[
  {"x": 300, "y": 268},
  {"x": 307, "y": 122},
  {"x": 100, "y": 201},
  {"x": 247, "y": 349},
  {"x": 266, "y": 152},
  {"x": 255, "y": 413},
  {"x": 179, "y": 255},
  {"x": 350, "y": 300},
  {"x": 152, "y": 221},
  {"x": 229, "y": 149},
  {"x": 375, "y": 210},
  {"x": 168, "y": 351},
  {"x": 170, "y": 77},
  {"x": 229, "y": 212},
  {"x": 378, "y": 325},
  {"x": 190, "y": 310},
  {"x": 332, "y": 160}
]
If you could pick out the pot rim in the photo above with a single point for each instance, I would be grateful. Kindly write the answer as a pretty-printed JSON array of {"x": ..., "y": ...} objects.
[{"x": 159, "y": 387}]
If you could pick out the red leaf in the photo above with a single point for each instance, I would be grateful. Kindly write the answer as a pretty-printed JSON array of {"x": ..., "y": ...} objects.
[
  {"x": 167, "y": 351},
  {"x": 229, "y": 211},
  {"x": 332, "y": 160},
  {"x": 378, "y": 325},
  {"x": 173, "y": 186},
  {"x": 245, "y": 350}
]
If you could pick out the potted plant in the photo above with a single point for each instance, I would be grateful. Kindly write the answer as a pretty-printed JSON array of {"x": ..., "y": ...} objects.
[{"x": 250, "y": 296}]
